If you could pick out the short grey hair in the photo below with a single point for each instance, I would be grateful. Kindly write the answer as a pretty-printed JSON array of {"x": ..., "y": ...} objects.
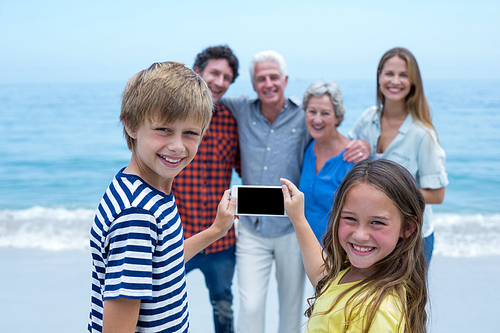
[
  {"x": 320, "y": 88},
  {"x": 269, "y": 56}
]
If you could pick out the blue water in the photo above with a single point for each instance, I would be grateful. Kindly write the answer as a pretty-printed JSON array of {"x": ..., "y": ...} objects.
[{"x": 61, "y": 144}]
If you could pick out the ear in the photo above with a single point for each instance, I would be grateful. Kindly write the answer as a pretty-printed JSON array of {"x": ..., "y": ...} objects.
[
  {"x": 132, "y": 134},
  {"x": 196, "y": 69},
  {"x": 410, "y": 228},
  {"x": 286, "y": 81}
]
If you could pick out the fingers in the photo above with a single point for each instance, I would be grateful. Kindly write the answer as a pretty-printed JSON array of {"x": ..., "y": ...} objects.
[
  {"x": 227, "y": 203},
  {"x": 291, "y": 186},
  {"x": 232, "y": 205},
  {"x": 356, "y": 151}
]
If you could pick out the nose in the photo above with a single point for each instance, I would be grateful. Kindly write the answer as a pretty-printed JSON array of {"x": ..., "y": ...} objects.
[
  {"x": 219, "y": 80},
  {"x": 316, "y": 118},
  {"x": 175, "y": 143},
  {"x": 268, "y": 82},
  {"x": 361, "y": 234}
]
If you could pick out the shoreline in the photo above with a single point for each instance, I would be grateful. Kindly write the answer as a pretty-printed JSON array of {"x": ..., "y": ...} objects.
[{"x": 49, "y": 291}]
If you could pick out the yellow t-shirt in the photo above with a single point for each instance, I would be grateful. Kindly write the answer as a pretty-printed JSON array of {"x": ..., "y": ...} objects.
[{"x": 386, "y": 320}]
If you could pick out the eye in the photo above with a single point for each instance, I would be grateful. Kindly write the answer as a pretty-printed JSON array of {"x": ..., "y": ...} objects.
[
  {"x": 163, "y": 129},
  {"x": 378, "y": 223},
  {"x": 192, "y": 133},
  {"x": 348, "y": 219}
]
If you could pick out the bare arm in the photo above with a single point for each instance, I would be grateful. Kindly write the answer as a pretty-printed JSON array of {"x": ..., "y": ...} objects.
[
  {"x": 220, "y": 227},
  {"x": 310, "y": 248},
  {"x": 433, "y": 196},
  {"x": 356, "y": 151},
  {"x": 120, "y": 315}
]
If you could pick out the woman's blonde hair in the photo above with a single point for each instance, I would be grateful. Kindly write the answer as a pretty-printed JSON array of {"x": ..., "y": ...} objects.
[
  {"x": 403, "y": 272},
  {"x": 415, "y": 102}
]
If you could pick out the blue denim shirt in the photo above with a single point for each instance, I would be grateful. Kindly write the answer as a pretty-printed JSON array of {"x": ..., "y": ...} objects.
[
  {"x": 269, "y": 152},
  {"x": 415, "y": 147}
]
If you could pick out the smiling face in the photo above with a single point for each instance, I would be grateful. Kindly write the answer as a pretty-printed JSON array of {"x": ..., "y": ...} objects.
[
  {"x": 370, "y": 226},
  {"x": 163, "y": 150},
  {"x": 268, "y": 83},
  {"x": 394, "y": 82},
  {"x": 218, "y": 75},
  {"x": 320, "y": 117}
]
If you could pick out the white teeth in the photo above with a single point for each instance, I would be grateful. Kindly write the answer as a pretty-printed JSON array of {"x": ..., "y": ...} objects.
[
  {"x": 362, "y": 249},
  {"x": 169, "y": 159}
]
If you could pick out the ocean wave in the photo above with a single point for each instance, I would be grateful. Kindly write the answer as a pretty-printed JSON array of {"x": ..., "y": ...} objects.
[
  {"x": 54, "y": 229},
  {"x": 467, "y": 235},
  {"x": 58, "y": 229}
]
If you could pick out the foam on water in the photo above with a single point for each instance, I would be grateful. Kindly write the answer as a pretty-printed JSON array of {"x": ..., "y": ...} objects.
[
  {"x": 59, "y": 229},
  {"x": 467, "y": 235},
  {"x": 43, "y": 228}
]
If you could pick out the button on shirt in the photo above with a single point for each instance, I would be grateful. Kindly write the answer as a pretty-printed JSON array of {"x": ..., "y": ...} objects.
[
  {"x": 415, "y": 147},
  {"x": 269, "y": 152}
]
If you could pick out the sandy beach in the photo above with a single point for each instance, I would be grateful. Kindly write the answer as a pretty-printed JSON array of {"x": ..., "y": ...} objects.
[{"x": 46, "y": 291}]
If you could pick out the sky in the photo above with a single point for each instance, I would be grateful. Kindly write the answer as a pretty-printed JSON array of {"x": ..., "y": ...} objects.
[{"x": 109, "y": 41}]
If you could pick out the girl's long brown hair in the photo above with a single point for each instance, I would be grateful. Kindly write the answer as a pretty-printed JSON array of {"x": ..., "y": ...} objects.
[{"x": 403, "y": 272}]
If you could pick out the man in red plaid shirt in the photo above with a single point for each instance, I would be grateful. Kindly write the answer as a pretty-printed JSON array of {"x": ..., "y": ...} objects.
[{"x": 199, "y": 187}]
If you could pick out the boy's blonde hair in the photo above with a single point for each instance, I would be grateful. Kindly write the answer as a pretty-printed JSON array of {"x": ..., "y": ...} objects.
[
  {"x": 403, "y": 272},
  {"x": 165, "y": 92}
]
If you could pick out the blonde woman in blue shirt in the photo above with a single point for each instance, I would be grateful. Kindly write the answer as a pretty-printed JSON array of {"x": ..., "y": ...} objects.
[{"x": 399, "y": 128}]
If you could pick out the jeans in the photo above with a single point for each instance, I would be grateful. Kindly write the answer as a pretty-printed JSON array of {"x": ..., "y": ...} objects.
[
  {"x": 255, "y": 255},
  {"x": 428, "y": 248},
  {"x": 218, "y": 269}
]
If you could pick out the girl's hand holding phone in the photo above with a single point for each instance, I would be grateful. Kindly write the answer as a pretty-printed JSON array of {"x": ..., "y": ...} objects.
[{"x": 294, "y": 201}]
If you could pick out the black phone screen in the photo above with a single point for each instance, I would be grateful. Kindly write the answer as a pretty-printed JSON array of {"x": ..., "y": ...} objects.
[{"x": 260, "y": 201}]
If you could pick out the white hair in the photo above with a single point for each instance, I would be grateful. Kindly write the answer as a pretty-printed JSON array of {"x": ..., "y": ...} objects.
[
  {"x": 320, "y": 88},
  {"x": 269, "y": 56}
]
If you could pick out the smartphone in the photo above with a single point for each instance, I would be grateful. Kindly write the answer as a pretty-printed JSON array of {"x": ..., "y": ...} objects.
[{"x": 259, "y": 200}]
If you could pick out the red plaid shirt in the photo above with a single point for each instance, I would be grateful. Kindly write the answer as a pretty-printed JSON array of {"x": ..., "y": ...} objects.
[{"x": 200, "y": 186}]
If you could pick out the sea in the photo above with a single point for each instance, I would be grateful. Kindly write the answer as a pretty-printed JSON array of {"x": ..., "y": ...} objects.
[{"x": 62, "y": 143}]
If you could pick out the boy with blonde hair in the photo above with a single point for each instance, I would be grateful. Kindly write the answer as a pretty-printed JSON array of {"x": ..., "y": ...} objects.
[{"x": 138, "y": 250}]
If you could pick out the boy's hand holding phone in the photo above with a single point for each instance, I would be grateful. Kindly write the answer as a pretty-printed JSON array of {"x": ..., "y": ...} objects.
[{"x": 225, "y": 213}]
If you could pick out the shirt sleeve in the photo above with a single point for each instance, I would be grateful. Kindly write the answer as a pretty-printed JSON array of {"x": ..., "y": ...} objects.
[
  {"x": 236, "y": 105},
  {"x": 431, "y": 163},
  {"x": 129, "y": 264},
  {"x": 355, "y": 131},
  {"x": 360, "y": 129}
]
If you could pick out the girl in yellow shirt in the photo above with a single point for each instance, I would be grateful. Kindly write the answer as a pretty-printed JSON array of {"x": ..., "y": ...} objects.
[{"x": 370, "y": 274}]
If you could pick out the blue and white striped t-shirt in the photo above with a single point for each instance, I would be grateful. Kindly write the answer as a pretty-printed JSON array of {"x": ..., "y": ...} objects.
[{"x": 138, "y": 253}]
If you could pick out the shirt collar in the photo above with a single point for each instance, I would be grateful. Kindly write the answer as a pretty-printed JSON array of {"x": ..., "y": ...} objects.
[
  {"x": 287, "y": 102},
  {"x": 405, "y": 126}
]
